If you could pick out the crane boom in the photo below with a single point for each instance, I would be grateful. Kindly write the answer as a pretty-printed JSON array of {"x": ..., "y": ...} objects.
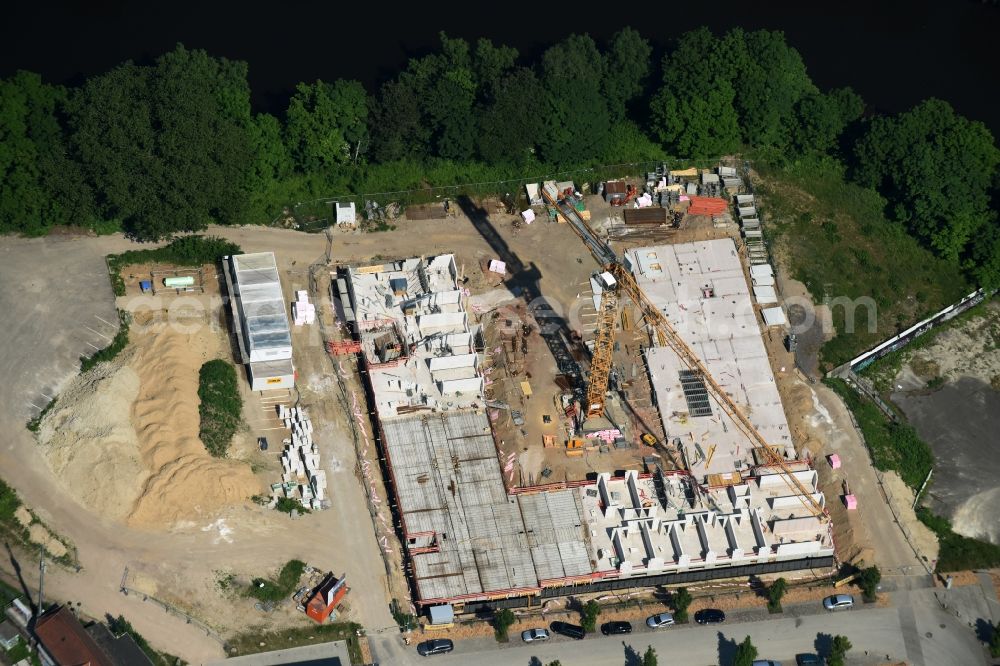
[{"x": 667, "y": 336}]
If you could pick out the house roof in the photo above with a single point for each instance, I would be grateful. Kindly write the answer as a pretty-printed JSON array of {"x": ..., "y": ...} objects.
[
  {"x": 122, "y": 650},
  {"x": 65, "y": 639}
]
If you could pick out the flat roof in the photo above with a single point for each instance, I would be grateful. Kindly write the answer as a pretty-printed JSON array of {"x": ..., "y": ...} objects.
[
  {"x": 466, "y": 536},
  {"x": 260, "y": 303},
  {"x": 648, "y": 524},
  {"x": 702, "y": 290}
]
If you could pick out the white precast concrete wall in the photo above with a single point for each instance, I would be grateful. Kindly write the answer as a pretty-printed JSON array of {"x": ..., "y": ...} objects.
[
  {"x": 447, "y": 362},
  {"x": 464, "y": 386}
]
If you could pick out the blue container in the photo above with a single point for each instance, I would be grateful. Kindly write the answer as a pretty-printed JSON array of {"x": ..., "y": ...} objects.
[{"x": 145, "y": 285}]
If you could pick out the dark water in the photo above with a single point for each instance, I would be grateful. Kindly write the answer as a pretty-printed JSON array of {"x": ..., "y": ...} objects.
[
  {"x": 961, "y": 422},
  {"x": 893, "y": 53}
]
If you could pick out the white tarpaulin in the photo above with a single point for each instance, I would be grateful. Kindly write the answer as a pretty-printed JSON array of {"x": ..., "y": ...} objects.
[
  {"x": 644, "y": 201},
  {"x": 529, "y": 216},
  {"x": 497, "y": 266},
  {"x": 774, "y": 317}
]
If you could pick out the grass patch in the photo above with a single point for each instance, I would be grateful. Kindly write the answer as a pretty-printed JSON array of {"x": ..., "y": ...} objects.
[
  {"x": 894, "y": 445},
  {"x": 118, "y": 343},
  {"x": 840, "y": 244},
  {"x": 406, "y": 621},
  {"x": 957, "y": 552},
  {"x": 289, "y": 504},
  {"x": 12, "y": 529},
  {"x": 185, "y": 251},
  {"x": 119, "y": 625},
  {"x": 253, "y": 643},
  {"x": 35, "y": 424},
  {"x": 220, "y": 407},
  {"x": 275, "y": 590}
]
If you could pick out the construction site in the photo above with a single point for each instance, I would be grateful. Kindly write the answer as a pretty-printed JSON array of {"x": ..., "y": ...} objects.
[{"x": 634, "y": 438}]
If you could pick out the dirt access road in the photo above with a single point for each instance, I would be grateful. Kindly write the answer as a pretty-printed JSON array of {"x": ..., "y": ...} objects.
[{"x": 60, "y": 306}]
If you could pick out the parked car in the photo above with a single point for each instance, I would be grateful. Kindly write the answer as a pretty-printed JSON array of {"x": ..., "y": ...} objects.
[
  {"x": 838, "y": 602},
  {"x": 618, "y": 627},
  {"x": 659, "y": 620},
  {"x": 566, "y": 629},
  {"x": 435, "y": 646},
  {"x": 765, "y": 662},
  {"x": 808, "y": 659},
  {"x": 709, "y": 616},
  {"x": 532, "y": 635}
]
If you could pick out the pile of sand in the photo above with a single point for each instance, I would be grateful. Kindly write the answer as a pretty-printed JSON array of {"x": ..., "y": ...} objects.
[
  {"x": 971, "y": 349},
  {"x": 123, "y": 439}
]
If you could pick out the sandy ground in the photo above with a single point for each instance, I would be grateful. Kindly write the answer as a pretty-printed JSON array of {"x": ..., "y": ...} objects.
[
  {"x": 61, "y": 283},
  {"x": 959, "y": 419},
  {"x": 123, "y": 438}
]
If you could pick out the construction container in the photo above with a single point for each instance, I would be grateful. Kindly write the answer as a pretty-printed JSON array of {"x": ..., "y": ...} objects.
[{"x": 181, "y": 281}]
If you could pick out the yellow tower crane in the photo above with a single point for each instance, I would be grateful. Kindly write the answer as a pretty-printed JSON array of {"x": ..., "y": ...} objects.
[{"x": 618, "y": 279}]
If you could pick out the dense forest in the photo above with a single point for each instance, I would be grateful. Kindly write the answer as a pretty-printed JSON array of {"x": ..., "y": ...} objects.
[{"x": 171, "y": 146}]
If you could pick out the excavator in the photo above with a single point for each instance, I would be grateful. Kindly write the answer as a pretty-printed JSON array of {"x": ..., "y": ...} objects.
[{"x": 617, "y": 282}]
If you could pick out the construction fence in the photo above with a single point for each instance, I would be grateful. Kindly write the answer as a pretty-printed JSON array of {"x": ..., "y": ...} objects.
[{"x": 316, "y": 215}]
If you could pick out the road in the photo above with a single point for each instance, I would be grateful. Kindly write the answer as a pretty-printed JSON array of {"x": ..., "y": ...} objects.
[{"x": 886, "y": 634}]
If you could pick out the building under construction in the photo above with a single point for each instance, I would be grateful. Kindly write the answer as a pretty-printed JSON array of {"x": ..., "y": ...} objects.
[{"x": 470, "y": 542}]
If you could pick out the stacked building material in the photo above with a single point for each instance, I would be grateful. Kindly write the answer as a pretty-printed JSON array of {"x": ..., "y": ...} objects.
[
  {"x": 707, "y": 206},
  {"x": 303, "y": 312},
  {"x": 300, "y": 460}
]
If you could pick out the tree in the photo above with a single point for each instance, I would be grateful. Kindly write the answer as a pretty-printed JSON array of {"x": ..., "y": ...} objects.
[
  {"x": 575, "y": 112},
  {"x": 821, "y": 119},
  {"x": 681, "y": 600},
  {"x": 649, "y": 657},
  {"x": 868, "y": 581},
  {"x": 697, "y": 125},
  {"x": 590, "y": 612},
  {"x": 502, "y": 621},
  {"x": 510, "y": 127},
  {"x": 936, "y": 169},
  {"x": 39, "y": 185},
  {"x": 995, "y": 641},
  {"x": 167, "y": 147},
  {"x": 838, "y": 651},
  {"x": 745, "y": 653},
  {"x": 626, "y": 70},
  {"x": 775, "y": 593},
  {"x": 327, "y": 124}
]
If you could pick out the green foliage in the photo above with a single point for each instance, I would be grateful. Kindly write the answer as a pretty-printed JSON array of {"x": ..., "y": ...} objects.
[
  {"x": 649, "y": 657},
  {"x": 894, "y": 445},
  {"x": 288, "y": 580},
  {"x": 838, "y": 651},
  {"x": 702, "y": 125},
  {"x": 327, "y": 124},
  {"x": 406, "y": 621},
  {"x": 9, "y": 504},
  {"x": 936, "y": 169},
  {"x": 118, "y": 343},
  {"x": 192, "y": 250},
  {"x": 625, "y": 71},
  {"x": 35, "y": 424},
  {"x": 31, "y": 146},
  {"x": 841, "y": 245},
  {"x": 509, "y": 128},
  {"x": 168, "y": 147},
  {"x": 289, "y": 504},
  {"x": 589, "y": 616},
  {"x": 868, "y": 581},
  {"x": 503, "y": 619},
  {"x": 958, "y": 552},
  {"x": 680, "y": 600},
  {"x": 259, "y": 639},
  {"x": 820, "y": 119},
  {"x": 775, "y": 593},
  {"x": 995, "y": 641},
  {"x": 221, "y": 406},
  {"x": 746, "y": 652}
]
